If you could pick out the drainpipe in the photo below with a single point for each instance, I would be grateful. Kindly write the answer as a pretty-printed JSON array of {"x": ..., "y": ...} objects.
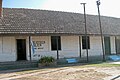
[
  {"x": 30, "y": 47},
  {"x": 57, "y": 48},
  {"x": 80, "y": 46}
]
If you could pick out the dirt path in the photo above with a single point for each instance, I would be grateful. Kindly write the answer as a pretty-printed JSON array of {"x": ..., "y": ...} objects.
[
  {"x": 14, "y": 75},
  {"x": 66, "y": 73},
  {"x": 114, "y": 73}
]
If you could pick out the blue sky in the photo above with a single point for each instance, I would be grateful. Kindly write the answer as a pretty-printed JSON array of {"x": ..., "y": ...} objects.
[
  {"x": 23, "y": 3},
  {"x": 107, "y": 7}
]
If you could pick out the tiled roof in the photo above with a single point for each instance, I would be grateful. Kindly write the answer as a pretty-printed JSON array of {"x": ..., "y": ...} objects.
[{"x": 38, "y": 22}]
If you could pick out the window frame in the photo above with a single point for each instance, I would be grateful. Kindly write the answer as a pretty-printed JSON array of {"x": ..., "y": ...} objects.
[
  {"x": 54, "y": 43},
  {"x": 84, "y": 42}
]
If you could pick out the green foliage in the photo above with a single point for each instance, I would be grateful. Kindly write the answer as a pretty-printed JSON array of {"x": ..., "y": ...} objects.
[{"x": 46, "y": 59}]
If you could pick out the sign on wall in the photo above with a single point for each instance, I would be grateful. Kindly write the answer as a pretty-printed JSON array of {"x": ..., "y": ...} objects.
[{"x": 38, "y": 44}]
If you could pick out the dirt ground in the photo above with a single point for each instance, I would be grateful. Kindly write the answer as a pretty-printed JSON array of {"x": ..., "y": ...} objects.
[
  {"x": 69, "y": 74},
  {"x": 65, "y": 73}
]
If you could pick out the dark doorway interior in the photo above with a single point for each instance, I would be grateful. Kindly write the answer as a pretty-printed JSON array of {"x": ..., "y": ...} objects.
[
  {"x": 107, "y": 45},
  {"x": 21, "y": 49},
  {"x": 117, "y": 45}
]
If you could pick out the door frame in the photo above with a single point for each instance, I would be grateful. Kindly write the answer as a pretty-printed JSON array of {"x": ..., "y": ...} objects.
[
  {"x": 117, "y": 40},
  {"x": 108, "y": 39},
  {"x": 25, "y": 46}
]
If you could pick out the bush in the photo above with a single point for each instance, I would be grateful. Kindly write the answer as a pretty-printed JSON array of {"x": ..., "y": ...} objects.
[{"x": 46, "y": 61}]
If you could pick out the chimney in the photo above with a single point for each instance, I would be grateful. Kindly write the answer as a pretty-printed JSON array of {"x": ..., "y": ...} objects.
[{"x": 0, "y": 8}]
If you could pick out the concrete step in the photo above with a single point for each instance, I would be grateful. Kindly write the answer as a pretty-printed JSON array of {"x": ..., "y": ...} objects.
[{"x": 18, "y": 65}]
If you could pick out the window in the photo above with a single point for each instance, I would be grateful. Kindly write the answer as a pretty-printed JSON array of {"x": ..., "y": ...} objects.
[
  {"x": 54, "y": 42},
  {"x": 84, "y": 46}
]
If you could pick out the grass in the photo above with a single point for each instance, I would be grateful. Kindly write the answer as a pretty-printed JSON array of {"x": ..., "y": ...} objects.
[{"x": 104, "y": 64}]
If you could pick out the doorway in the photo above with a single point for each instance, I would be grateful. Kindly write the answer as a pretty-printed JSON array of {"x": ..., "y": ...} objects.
[
  {"x": 117, "y": 45},
  {"x": 21, "y": 49},
  {"x": 107, "y": 45}
]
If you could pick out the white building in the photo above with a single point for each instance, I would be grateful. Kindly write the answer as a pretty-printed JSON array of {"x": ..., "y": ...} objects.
[{"x": 28, "y": 34}]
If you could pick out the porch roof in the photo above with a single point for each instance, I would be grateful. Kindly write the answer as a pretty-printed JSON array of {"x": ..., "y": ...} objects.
[{"x": 18, "y": 21}]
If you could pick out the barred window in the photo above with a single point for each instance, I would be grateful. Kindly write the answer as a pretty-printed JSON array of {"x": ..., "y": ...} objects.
[
  {"x": 84, "y": 46},
  {"x": 54, "y": 42}
]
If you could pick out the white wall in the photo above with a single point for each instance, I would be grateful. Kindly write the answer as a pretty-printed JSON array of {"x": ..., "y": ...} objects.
[
  {"x": 44, "y": 49},
  {"x": 7, "y": 49},
  {"x": 69, "y": 47},
  {"x": 95, "y": 47},
  {"x": 112, "y": 42}
]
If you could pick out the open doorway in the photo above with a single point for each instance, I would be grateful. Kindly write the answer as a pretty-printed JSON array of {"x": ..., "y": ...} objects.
[
  {"x": 107, "y": 45},
  {"x": 118, "y": 45},
  {"x": 21, "y": 49}
]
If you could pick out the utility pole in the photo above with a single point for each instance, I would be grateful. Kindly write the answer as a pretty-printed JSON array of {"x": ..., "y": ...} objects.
[
  {"x": 85, "y": 31},
  {"x": 101, "y": 33}
]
